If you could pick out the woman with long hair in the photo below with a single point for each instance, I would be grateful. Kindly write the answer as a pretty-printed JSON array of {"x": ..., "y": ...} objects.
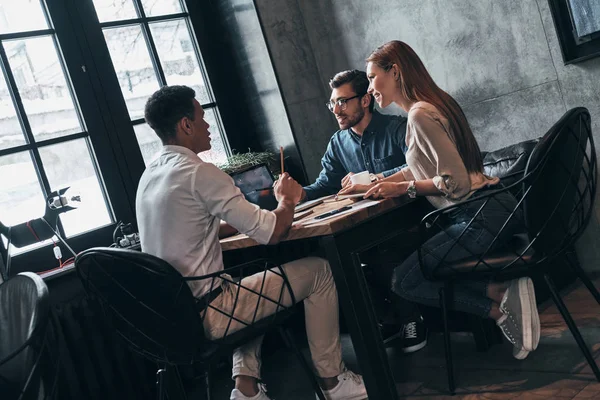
[{"x": 445, "y": 165}]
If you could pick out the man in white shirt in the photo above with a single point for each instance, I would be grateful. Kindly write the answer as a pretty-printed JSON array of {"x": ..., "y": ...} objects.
[{"x": 184, "y": 205}]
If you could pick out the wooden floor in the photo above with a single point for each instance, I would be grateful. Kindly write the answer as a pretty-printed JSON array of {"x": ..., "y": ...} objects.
[{"x": 557, "y": 370}]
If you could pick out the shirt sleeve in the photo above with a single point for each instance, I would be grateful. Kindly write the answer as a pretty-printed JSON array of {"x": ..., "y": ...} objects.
[
  {"x": 392, "y": 171},
  {"x": 330, "y": 178},
  {"x": 400, "y": 136},
  {"x": 431, "y": 135},
  {"x": 408, "y": 175},
  {"x": 225, "y": 200}
]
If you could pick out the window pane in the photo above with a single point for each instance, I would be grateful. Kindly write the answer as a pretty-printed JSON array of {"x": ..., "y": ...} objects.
[
  {"x": 21, "y": 15},
  {"x": 177, "y": 56},
  {"x": 133, "y": 66},
  {"x": 161, "y": 7},
  {"x": 11, "y": 134},
  {"x": 43, "y": 87},
  {"x": 21, "y": 197},
  {"x": 70, "y": 164},
  {"x": 114, "y": 10},
  {"x": 217, "y": 153},
  {"x": 149, "y": 143},
  {"x": 586, "y": 16}
]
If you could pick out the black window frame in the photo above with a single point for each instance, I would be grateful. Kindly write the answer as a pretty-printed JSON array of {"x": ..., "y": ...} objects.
[
  {"x": 110, "y": 131},
  {"x": 57, "y": 16}
]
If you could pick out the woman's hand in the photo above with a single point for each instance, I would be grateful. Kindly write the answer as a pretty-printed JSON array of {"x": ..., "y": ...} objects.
[
  {"x": 354, "y": 188},
  {"x": 385, "y": 190}
]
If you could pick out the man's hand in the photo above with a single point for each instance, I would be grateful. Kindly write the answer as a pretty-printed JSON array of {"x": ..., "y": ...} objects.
[
  {"x": 355, "y": 188},
  {"x": 346, "y": 181},
  {"x": 386, "y": 190},
  {"x": 287, "y": 189}
]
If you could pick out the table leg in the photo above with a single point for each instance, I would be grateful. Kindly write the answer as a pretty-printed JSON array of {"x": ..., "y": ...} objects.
[{"x": 360, "y": 317}]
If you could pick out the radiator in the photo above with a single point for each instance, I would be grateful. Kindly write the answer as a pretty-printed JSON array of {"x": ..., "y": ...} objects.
[{"x": 94, "y": 362}]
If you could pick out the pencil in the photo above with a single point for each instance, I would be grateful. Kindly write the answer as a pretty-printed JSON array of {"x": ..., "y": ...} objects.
[{"x": 281, "y": 157}]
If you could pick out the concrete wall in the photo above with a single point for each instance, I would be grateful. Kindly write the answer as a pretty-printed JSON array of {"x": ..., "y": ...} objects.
[{"x": 500, "y": 59}]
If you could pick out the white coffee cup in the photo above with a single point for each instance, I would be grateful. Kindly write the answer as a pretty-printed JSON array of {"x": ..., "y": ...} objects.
[{"x": 362, "y": 178}]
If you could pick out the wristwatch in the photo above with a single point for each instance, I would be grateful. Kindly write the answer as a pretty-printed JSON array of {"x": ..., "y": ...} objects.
[
  {"x": 373, "y": 177},
  {"x": 411, "y": 190}
]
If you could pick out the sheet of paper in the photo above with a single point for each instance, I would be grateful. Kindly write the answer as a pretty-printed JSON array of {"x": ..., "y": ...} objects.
[{"x": 356, "y": 206}]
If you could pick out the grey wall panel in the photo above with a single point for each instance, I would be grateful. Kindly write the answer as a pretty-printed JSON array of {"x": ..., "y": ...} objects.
[
  {"x": 315, "y": 125},
  {"x": 290, "y": 48},
  {"x": 474, "y": 49},
  {"x": 258, "y": 89},
  {"x": 515, "y": 117}
]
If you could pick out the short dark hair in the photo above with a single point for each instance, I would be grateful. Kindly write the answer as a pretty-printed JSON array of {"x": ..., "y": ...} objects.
[
  {"x": 166, "y": 107},
  {"x": 356, "y": 78}
]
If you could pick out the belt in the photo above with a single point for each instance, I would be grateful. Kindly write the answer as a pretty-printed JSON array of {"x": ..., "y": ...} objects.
[{"x": 205, "y": 300}]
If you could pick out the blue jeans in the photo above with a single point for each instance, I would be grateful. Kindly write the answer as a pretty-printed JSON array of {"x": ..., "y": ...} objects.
[{"x": 408, "y": 280}]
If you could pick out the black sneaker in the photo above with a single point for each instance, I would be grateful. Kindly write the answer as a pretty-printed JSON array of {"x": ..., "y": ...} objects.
[
  {"x": 415, "y": 336},
  {"x": 391, "y": 334}
]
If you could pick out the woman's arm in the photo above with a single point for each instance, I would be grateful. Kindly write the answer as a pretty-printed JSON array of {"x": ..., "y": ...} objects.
[{"x": 386, "y": 190}]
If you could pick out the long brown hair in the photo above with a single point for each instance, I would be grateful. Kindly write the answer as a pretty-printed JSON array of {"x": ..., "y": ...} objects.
[{"x": 417, "y": 85}]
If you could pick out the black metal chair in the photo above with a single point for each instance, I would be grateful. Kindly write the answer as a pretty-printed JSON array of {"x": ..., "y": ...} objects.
[
  {"x": 26, "y": 367},
  {"x": 555, "y": 196},
  {"x": 151, "y": 306}
]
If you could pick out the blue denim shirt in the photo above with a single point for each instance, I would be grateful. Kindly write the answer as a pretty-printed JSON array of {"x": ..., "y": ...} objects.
[{"x": 380, "y": 150}]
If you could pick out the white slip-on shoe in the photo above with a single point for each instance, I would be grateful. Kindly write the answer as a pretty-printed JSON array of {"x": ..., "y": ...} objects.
[
  {"x": 511, "y": 331},
  {"x": 261, "y": 395},
  {"x": 350, "y": 387},
  {"x": 519, "y": 305}
]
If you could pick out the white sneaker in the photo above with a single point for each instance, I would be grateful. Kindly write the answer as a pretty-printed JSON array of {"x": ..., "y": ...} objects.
[
  {"x": 261, "y": 395},
  {"x": 350, "y": 387}
]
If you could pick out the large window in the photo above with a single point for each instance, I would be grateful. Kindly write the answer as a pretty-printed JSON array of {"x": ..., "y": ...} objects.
[
  {"x": 44, "y": 140},
  {"x": 151, "y": 44},
  {"x": 75, "y": 77}
]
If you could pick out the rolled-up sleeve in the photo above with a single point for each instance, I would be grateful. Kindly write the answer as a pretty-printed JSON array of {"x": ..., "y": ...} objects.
[
  {"x": 330, "y": 178},
  {"x": 225, "y": 200},
  {"x": 451, "y": 176},
  {"x": 407, "y": 173}
]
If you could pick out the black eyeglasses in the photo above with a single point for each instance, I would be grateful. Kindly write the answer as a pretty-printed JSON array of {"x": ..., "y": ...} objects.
[{"x": 341, "y": 103}]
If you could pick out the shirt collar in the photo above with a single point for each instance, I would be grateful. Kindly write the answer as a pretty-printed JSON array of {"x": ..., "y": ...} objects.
[
  {"x": 374, "y": 126},
  {"x": 172, "y": 148},
  {"x": 376, "y": 122}
]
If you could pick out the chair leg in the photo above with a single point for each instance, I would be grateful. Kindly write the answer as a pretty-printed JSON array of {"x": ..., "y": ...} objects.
[
  {"x": 584, "y": 278},
  {"x": 445, "y": 294},
  {"x": 287, "y": 337},
  {"x": 572, "y": 327},
  {"x": 175, "y": 390},
  {"x": 207, "y": 382},
  {"x": 480, "y": 334},
  {"x": 160, "y": 383}
]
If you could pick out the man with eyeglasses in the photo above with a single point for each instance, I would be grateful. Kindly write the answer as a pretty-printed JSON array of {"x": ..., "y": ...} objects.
[{"x": 367, "y": 141}]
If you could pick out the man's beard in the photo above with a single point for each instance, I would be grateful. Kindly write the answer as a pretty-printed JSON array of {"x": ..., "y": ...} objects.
[{"x": 351, "y": 120}]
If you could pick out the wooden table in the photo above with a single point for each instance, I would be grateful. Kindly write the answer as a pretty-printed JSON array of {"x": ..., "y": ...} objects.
[{"x": 343, "y": 238}]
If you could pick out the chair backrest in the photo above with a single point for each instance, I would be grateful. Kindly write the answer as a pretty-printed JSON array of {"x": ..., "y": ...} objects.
[
  {"x": 24, "y": 319},
  {"x": 146, "y": 300},
  {"x": 509, "y": 163},
  {"x": 560, "y": 184}
]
